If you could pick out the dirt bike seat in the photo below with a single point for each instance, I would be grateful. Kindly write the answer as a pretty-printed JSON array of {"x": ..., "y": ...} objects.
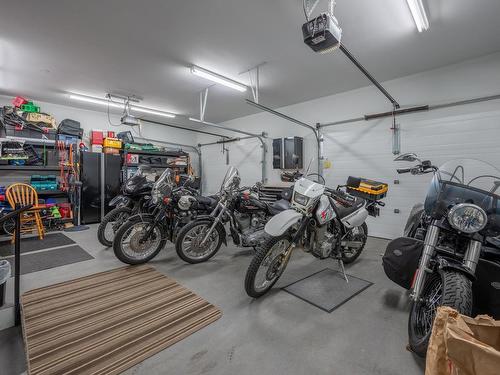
[
  {"x": 345, "y": 208},
  {"x": 278, "y": 206}
]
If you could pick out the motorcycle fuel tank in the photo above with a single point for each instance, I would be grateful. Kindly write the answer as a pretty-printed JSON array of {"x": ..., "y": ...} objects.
[{"x": 324, "y": 211}]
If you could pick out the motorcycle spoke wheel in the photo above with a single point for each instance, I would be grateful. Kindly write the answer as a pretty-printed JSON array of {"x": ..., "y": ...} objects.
[
  {"x": 135, "y": 246},
  {"x": 426, "y": 309},
  {"x": 271, "y": 266},
  {"x": 191, "y": 243},
  {"x": 356, "y": 243}
]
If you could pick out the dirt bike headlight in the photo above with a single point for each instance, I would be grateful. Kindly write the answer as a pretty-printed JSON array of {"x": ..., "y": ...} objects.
[
  {"x": 300, "y": 199},
  {"x": 467, "y": 218}
]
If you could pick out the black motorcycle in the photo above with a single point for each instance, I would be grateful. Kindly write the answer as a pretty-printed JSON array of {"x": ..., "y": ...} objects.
[
  {"x": 450, "y": 255},
  {"x": 134, "y": 199},
  {"x": 200, "y": 240},
  {"x": 144, "y": 235}
]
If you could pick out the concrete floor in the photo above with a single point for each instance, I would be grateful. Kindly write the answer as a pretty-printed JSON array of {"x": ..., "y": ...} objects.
[{"x": 277, "y": 334}]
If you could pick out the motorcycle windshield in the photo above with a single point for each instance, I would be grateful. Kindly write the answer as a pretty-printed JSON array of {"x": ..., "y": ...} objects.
[
  {"x": 231, "y": 179},
  {"x": 163, "y": 186},
  {"x": 466, "y": 181}
]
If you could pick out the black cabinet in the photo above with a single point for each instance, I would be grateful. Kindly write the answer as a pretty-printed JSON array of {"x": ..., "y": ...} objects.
[
  {"x": 100, "y": 177},
  {"x": 288, "y": 153}
]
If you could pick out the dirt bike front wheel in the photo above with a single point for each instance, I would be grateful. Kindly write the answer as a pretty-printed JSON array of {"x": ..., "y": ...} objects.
[{"x": 267, "y": 266}]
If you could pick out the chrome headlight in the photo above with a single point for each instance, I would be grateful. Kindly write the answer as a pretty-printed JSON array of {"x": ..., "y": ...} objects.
[
  {"x": 467, "y": 218},
  {"x": 300, "y": 199}
]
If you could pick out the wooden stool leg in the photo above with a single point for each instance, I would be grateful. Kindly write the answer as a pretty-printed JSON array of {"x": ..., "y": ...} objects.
[{"x": 39, "y": 225}]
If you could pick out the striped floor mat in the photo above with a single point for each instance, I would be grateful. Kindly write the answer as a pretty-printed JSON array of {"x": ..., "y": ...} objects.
[{"x": 107, "y": 322}]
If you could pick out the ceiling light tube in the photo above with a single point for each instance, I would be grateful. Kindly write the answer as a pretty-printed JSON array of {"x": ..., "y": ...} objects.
[
  {"x": 151, "y": 111},
  {"x": 89, "y": 99},
  {"x": 106, "y": 102},
  {"x": 418, "y": 12},
  {"x": 217, "y": 78}
]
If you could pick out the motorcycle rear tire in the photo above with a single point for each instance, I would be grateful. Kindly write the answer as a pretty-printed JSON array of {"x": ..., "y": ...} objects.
[
  {"x": 111, "y": 216},
  {"x": 351, "y": 259},
  {"x": 456, "y": 293},
  {"x": 182, "y": 233},
  {"x": 117, "y": 243}
]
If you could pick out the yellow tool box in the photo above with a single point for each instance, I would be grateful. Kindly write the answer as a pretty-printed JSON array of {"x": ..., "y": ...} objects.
[
  {"x": 112, "y": 143},
  {"x": 367, "y": 189}
]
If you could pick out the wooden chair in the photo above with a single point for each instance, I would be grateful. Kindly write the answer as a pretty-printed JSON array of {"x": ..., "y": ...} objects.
[{"x": 24, "y": 195}]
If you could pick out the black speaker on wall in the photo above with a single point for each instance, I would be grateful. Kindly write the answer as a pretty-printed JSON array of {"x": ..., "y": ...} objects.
[
  {"x": 277, "y": 150},
  {"x": 288, "y": 153}
]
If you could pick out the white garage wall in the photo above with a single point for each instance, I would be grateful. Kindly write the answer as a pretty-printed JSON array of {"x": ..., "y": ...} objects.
[
  {"x": 99, "y": 120},
  {"x": 364, "y": 148}
]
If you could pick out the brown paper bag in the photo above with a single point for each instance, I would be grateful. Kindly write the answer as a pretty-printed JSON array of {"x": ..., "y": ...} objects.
[{"x": 460, "y": 345}]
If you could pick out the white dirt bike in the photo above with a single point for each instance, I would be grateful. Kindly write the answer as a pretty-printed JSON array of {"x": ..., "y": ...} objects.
[{"x": 328, "y": 223}]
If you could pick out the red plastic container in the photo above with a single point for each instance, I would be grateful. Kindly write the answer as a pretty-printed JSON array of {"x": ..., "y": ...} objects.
[
  {"x": 65, "y": 210},
  {"x": 96, "y": 137},
  {"x": 19, "y": 101},
  {"x": 111, "y": 134}
]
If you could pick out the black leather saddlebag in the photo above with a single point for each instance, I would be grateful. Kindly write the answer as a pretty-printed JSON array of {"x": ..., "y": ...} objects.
[{"x": 401, "y": 260}]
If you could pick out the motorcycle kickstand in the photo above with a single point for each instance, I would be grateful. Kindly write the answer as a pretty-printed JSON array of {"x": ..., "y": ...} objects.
[{"x": 341, "y": 264}]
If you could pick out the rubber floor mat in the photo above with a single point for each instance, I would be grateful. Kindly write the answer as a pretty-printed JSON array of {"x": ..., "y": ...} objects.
[
  {"x": 45, "y": 260},
  {"x": 327, "y": 289},
  {"x": 107, "y": 322},
  {"x": 34, "y": 243}
]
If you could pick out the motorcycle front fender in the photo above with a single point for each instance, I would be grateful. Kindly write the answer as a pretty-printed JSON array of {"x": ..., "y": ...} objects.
[
  {"x": 452, "y": 264},
  {"x": 281, "y": 222},
  {"x": 219, "y": 225}
]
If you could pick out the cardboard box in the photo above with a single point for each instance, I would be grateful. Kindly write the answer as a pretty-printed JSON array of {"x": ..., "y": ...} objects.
[
  {"x": 44, "y": 118},
  {"x": 111, "y": 150},
  {"x": 96, "y": 148}
]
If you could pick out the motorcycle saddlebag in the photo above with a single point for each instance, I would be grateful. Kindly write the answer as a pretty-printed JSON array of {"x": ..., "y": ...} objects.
[
  {"x": 401, "y": 259},
  {"x": 70, "y": 127}
]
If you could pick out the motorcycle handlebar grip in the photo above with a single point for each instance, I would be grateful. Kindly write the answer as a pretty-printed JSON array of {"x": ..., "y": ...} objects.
[{"x": 403, "y": 170}]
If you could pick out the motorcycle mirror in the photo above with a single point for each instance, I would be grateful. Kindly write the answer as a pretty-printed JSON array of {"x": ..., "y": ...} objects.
[{"x": 410, "y": 156}]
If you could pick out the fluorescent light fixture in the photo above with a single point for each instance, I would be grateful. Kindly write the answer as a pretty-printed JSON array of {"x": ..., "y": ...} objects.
[
  {"x": 217, "y": 78},
  {"x": 151, "y": 111},
  {"x": 89, "y": 99},
  {"x": 418, "y": 12}
]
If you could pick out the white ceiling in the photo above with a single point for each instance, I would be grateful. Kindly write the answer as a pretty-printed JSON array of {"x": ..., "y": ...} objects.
[{"x": 51, "y": 47}]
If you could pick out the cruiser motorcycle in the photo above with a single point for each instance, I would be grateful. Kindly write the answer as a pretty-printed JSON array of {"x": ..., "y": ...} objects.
[
  {"x": 134, "y": 199},
  {"x": 450, "y": 253},
  {"x": 200, "y": 240},
  {"x": 328, "y": 223},
  {"x": 144, "y": 235}
]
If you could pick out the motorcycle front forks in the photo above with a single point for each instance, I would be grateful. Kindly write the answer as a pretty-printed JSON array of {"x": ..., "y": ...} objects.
[
  {"x": 470, "y": 260},
  {"x": 430, "y": 243}
]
